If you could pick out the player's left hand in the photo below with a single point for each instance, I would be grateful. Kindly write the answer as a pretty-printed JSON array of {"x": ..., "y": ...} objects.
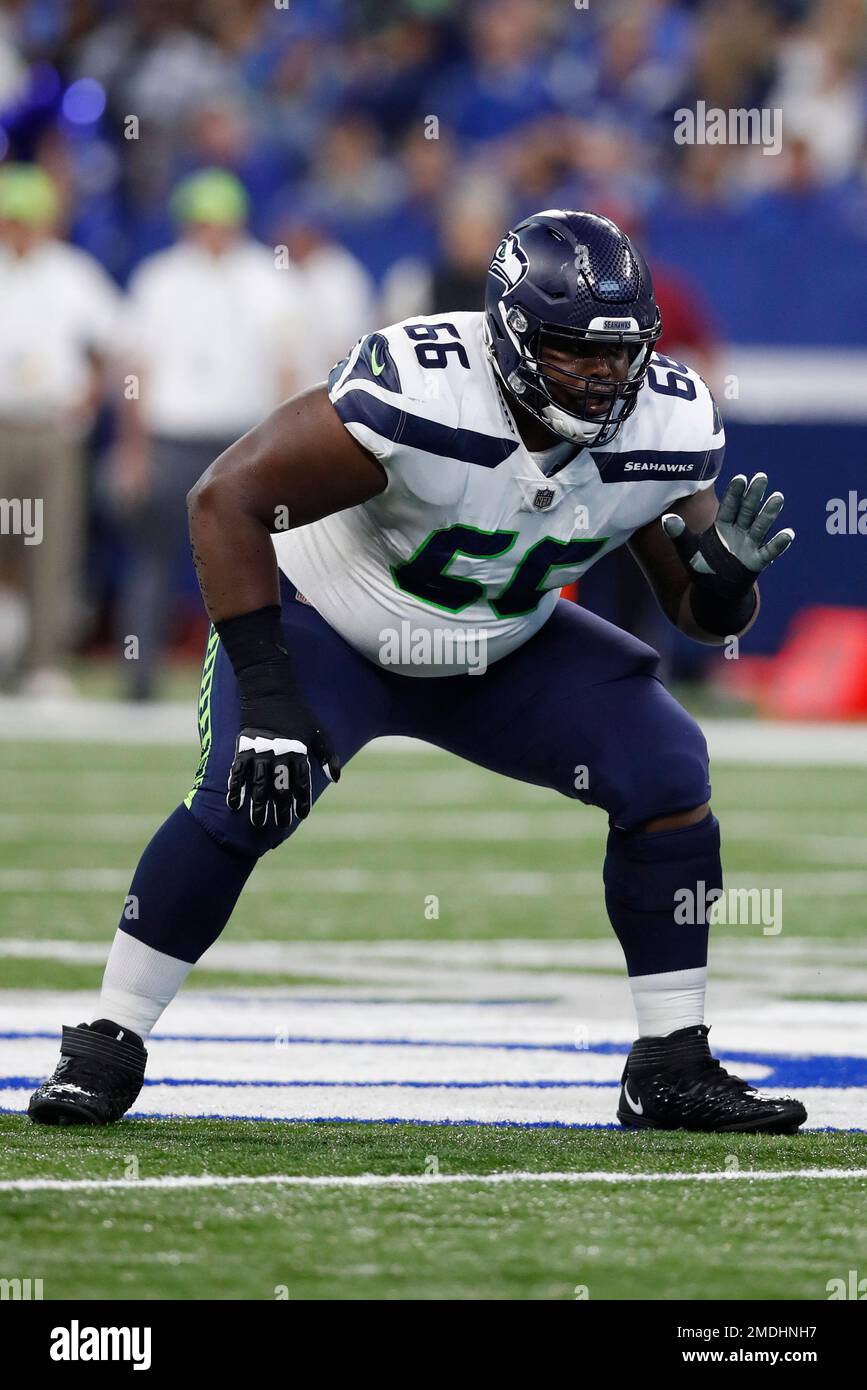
[{"x": 729, "y": 556}]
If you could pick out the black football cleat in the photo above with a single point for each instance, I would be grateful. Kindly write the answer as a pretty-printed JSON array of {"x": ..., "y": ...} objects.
[
  {"x": 675, "y": 1083},
  {"x": 99, "y": 1075}
]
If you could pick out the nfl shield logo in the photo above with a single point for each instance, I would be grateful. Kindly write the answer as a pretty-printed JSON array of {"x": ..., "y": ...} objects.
[{"x": 543, "y": 499}]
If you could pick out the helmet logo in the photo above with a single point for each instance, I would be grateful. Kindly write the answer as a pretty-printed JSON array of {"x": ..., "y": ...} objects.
[{"x": 510, "y": 263}]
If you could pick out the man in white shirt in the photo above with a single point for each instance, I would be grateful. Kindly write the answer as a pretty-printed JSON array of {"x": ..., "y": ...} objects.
[
  {"x": 218, "y": 330},
  {"x": 337, "y": 284},
  {"x": 57, "y": 326}
]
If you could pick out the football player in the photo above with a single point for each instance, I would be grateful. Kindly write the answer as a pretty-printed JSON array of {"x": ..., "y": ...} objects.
[{"x": 454, "y": 473}]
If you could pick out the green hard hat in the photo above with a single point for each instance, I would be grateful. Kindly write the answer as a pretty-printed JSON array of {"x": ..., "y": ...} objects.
[
  {"x": 213, "y": 195},
  {"x": 28, "y": 194}
]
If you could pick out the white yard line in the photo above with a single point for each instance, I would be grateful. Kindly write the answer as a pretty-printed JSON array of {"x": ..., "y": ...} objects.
[
  {"x": 530, "y": 962},
  {"x": 169, "y": 1183}
]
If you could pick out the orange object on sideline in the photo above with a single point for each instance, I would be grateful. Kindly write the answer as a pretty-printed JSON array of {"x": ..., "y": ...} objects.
[{"x": 821, "y": 670}]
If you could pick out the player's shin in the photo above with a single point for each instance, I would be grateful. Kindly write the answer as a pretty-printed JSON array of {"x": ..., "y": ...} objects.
[
  {"x": 181, "y": 897},
  {"x": 658, "y": 887}
]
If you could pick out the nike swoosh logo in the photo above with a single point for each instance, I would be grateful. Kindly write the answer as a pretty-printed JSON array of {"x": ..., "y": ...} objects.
[
  {"x": 635, "y": 1106},
  {"x": 378, "y": 367}
]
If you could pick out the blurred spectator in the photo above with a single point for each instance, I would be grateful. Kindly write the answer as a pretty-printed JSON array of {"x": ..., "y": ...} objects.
[
  {"x": 403, "y": 135},
  {"x": 153, "y": 63},
  {"x": 13, "y": 71},
  {"x": 338, "y": 287},
  {"x": 474, "y": 218},
  {"x": 223, "y": 132},
  {"x": 56, "y": 328},
  {"x": 505, "y": 81},
  {"x": 218, "y": 331},
  {"x": 821, "y": 90}
]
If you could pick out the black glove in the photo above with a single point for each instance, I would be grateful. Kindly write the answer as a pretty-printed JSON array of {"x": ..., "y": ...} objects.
[
  {"x": 725, "y": 561},
  {"x": 279, "y": 732}
]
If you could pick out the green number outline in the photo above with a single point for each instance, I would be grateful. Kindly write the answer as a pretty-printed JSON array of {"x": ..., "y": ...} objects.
[
  {"x": 460, "y": 578},
  {"x": 495, "y": 555},
  {"x": 590, "y": 540}
]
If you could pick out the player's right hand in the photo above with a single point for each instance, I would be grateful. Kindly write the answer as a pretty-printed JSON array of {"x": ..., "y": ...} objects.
[{"x": 271, "y": 772}]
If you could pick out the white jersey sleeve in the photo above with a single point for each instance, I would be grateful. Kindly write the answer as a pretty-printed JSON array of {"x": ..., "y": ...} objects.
[
  {"x": 406, "y": 393},
  {"x": 675, "y": 437}
]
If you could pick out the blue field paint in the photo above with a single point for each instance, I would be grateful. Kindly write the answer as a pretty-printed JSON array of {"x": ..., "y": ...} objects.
[
  {"x": 814, "y": 1072},
  {"x": 794, "y": 1069}
]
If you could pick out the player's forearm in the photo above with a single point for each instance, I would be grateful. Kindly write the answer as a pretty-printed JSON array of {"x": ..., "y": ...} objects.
[
  {"x": 232, "y": 552},
  {"x": 712, "y": 627}
]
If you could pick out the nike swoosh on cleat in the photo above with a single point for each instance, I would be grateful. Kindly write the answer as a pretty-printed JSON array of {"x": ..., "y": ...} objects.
[{"x": 635, "y": 1106}]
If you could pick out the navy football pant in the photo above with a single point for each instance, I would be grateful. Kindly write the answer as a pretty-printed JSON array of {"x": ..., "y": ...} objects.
[{"x": 578, "y": 708}]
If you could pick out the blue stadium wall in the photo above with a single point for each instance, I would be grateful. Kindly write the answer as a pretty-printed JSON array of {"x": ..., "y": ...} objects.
[{"x": 811, "y": 463}]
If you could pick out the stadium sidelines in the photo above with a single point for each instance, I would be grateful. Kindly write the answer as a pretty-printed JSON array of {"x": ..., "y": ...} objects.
[
  {"x": 116, "y": 722},
  {"x": 209, "y": 1180}
]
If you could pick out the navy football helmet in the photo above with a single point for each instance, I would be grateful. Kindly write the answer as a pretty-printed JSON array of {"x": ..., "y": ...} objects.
[{"x": 574, "y": 281}]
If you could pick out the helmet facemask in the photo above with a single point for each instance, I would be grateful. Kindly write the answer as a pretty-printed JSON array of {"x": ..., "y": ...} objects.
[{"x": 597, "y": 409}]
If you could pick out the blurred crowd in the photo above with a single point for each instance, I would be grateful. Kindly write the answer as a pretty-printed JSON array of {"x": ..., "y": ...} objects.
[
  {"x": 203, "y": 203},
  {"x": 367, "y": 115}
]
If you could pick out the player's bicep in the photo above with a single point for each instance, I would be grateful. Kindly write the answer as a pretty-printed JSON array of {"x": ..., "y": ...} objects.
[
  {"x": 657, "y": 556},
  {"x": 299, "y": 464}
]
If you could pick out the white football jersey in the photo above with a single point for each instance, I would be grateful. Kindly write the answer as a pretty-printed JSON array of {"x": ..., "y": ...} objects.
[{"x": 471, "y": 542}]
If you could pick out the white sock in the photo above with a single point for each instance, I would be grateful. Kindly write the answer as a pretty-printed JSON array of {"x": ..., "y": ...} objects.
[
  {"x": 663, "y": 1003},
  {"x": 138, "y": 984}
]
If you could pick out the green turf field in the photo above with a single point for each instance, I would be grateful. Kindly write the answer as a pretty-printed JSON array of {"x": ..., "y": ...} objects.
[
  {"x": 508, "y": 864},
  {"x": 727, "y": 1239},
  {"x": 504, "y": 859}
]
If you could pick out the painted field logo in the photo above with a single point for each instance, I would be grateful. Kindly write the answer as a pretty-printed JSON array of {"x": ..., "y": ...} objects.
[
  {"x": 77, "y": 1343},
  {"x": 20, "y": 1289}
]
